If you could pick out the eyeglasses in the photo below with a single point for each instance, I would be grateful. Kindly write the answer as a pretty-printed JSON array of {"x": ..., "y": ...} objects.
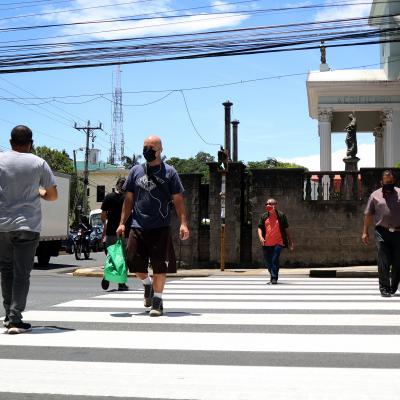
[{"x": 270, "y": 204}]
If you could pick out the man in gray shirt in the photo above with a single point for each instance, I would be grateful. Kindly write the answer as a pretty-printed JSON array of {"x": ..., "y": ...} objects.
[
  {"x": 383, "y": 209},
  {"x": 24, "y": 180}
]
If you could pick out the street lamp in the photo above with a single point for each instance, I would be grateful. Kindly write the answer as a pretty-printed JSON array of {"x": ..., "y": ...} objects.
[{"x": 74, "y": 151}]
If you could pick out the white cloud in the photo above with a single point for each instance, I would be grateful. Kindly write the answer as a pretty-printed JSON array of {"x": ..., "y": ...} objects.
[
  {"x": 157, "y": 26},
  {"x": 366, "y": 153},
  {"x": 359, "y": 8}
]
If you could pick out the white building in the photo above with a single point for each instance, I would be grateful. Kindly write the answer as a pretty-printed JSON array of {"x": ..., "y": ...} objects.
[{"x": 374, "y": 96}]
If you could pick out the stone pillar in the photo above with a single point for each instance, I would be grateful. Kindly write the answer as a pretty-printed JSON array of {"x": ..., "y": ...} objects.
[
  {"x": 235, "y": 124},
  {"x": 325, "y": 132},
  {"x": 387, "y": 121},
  {"x": 234, "y": 213},
  {"x": 378, "y": 134},
  {"x": 227, "y": 142}
]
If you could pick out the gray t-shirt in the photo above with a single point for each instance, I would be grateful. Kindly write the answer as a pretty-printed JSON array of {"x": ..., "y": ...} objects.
[
  {"x": 152, "y": 205},
  {"x": 385, "y": 208},
  {"x": 21, "y": 176}
]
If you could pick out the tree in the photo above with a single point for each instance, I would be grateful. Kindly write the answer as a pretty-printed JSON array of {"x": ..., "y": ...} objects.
[
  {"x": 129, "y": 162},
  {"x": 196, "y": 164},
  {"x": 272, "y": 163},
  {"x": 59, "y": 161}
]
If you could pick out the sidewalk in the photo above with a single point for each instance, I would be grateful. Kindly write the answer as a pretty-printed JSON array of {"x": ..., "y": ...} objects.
[{"x": 343, "y": 272}]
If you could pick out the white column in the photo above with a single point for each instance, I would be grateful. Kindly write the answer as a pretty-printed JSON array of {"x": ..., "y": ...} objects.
[
  {"x": 378, "y": 133},
  {"x": 325, "y": 132},
  {"x": 388, "y": 139}
]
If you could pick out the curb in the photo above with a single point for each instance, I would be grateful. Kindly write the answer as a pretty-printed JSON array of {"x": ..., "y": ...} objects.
[{"x": 333, "y": 273}]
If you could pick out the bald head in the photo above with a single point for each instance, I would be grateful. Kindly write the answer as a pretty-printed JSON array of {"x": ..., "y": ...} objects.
[
  {"x": 152, "y": 149},
  {"x": 154, "y": 142}
]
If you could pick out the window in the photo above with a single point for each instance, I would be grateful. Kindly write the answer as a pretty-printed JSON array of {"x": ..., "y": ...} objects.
[{"x": 101, "y": 192}]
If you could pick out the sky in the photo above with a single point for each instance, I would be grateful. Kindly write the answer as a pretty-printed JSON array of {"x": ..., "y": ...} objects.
[{"x": 273, "y": 113}]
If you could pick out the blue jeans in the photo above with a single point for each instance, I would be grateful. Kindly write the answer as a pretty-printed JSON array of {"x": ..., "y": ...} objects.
[{"x": 271, "y": 259}]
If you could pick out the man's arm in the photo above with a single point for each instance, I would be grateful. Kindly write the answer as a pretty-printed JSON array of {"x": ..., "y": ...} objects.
[
  {"x": 49, "y": 194},
  {"x": 290, "y": 239},
  {"x": 126, "y": 212},
  {"x": 260, "y": 235},
  {"x": 368, "y": 220},
  {"x": 180, "y": 210}
]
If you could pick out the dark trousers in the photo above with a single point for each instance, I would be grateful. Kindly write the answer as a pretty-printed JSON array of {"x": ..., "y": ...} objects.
[
  {"x": 388, "y": 244},
  {"x": 17, "y": 252},
  {"x": 271, "y": 259}
]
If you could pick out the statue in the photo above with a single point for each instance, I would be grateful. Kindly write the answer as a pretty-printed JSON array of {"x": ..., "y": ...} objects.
[
  {"x": 323, "y": 52},
  {"x": 351, "y": 138}
]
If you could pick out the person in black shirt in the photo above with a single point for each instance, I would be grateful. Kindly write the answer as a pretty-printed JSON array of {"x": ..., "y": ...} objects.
[{"x": 111, "y": 215}]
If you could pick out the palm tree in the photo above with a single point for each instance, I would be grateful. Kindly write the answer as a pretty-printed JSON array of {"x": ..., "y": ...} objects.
[{"x": 129, "y": 162}]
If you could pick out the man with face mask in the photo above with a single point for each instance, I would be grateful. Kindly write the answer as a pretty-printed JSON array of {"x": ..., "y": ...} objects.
[
  {"x": 24, "y": 180},
  {"x": 383, "y": 209},
  {"x": 151, "y": 191},
  {"x": 111, "y": 209},
  {"x": 274, "y": 235}
]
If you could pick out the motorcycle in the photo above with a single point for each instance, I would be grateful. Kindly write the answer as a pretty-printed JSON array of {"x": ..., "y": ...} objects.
[{"x": 82, "y": 244}]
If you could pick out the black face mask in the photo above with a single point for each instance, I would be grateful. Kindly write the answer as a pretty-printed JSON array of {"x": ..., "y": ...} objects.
[
  {"x": 389, "y": 187},
  {"x": 149, "y": 154}
]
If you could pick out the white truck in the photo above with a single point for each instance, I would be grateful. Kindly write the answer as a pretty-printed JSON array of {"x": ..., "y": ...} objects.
[{"x": 55, "y": 221}]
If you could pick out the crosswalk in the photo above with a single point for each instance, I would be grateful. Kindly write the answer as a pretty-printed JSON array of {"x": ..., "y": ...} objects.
[{"x": 221, "y": 337}]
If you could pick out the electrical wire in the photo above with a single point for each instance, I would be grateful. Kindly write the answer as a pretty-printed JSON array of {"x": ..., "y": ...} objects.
[{"x": 192, "y": 122}]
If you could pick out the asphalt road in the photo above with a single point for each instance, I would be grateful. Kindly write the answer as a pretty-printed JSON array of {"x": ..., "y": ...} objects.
[{"x": 221, "y": 338}]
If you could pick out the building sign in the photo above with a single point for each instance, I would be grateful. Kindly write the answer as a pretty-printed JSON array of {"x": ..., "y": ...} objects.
[{"x": 358, "y": 99}]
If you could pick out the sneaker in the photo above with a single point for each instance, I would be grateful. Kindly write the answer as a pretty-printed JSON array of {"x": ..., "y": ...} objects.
[
  {"x": 148, "y": 295},
  {"x": 157, "y": 308},
  {"x": 123, "y": 287},
  {"x": 385, "y": 293},
  {"x": 105, "y": 284},
  {"x": 274, "y": 281},
  {"x": 6, "y": 321},
  {"x": 21, "y": 327}
]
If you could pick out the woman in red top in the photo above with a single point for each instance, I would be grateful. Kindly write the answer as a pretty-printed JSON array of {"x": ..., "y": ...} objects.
[{"x": 274, "y": 235}]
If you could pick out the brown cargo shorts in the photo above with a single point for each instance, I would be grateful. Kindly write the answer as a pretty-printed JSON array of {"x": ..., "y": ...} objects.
[{"x": 151, "y": 246}]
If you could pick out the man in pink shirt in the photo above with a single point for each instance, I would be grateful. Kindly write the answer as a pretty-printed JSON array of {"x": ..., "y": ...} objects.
[{"x": 274, "y": 235}]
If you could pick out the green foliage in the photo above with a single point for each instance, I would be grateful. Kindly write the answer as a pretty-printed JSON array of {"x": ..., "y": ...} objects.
[
  {"x": 129, "y": 162},
  {"x": 58, "y": 160},
  {"x": 272, "y": 163},
  {"x": 196, "y": 164},
  {"x": 397, "y": 165}
]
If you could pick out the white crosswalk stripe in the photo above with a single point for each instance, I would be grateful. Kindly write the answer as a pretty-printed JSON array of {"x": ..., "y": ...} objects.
[{"x": 220, "y": 338}]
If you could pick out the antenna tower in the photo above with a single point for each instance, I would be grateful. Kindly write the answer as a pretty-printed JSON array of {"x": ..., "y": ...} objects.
[{"x": 117, "y": 151}]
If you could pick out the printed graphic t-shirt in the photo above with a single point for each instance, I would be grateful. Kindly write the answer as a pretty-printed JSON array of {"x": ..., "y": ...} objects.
[{"x": 152, "y": 204}]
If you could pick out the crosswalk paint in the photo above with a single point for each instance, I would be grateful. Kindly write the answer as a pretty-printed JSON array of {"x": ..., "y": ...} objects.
[
  {"x": 203, "y": 382},
  {"x": 218, "y": 303},
  {"x": 218, "y": 319},
  {"x": 239, "y": 305},
  {"x": 256, "y": 297},
  {"x": 210, "y": 341}
]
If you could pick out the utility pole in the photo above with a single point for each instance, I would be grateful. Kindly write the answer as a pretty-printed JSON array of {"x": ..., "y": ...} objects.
[{"x": 89, "y": 130}]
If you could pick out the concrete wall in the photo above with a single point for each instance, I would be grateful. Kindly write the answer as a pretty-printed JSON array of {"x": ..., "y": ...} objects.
[
  {"x": 326, "y": 233},
  {"x": 189, "y": 249},
  {"x": 103, "y": 178}
]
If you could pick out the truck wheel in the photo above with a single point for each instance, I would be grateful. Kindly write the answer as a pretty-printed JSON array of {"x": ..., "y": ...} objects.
[{"x": 43, "y": 260}]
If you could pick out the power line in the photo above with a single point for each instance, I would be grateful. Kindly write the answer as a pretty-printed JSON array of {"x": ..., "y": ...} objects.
[{"x": 192, "y": 123}]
